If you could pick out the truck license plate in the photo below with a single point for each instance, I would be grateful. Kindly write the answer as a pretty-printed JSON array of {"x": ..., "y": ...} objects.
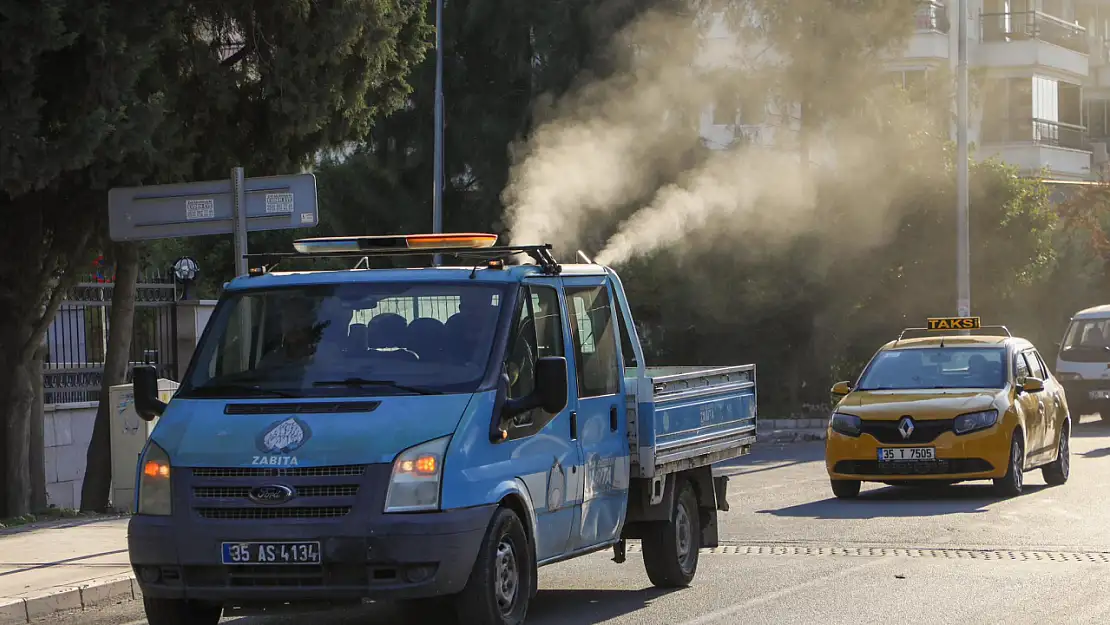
[
  {"x": 271, "y": 553},
  {"x": 1100, "y": 394},
  {"x": 907, "y": 454}
]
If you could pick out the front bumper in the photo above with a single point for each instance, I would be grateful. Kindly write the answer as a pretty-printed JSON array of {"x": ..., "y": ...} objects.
[
  {"x": 1078, "y": 393},
  {"x": 976, "y": 456},
  {"x": 364, "y": 554}
]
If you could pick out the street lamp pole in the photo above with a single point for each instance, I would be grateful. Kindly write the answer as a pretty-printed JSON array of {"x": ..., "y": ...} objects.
[
  {"x": 437, "y": 167},
  {"x": 963, "y": 234}
]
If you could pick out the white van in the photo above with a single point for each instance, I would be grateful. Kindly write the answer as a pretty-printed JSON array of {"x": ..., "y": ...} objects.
[{"x": 1083, "y": 362}]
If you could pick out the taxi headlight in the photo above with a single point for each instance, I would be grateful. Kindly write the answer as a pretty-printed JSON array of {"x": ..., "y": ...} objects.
[
  {"x": 974, "y": 421},
  {"x": 417, "y": 472},
  {"x": 846, "y": 424}
]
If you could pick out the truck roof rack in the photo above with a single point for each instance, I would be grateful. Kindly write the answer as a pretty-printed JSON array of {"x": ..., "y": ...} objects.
[{"x": 464, "y": 245}]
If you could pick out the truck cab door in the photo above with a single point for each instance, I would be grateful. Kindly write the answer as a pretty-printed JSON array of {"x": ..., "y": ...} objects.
[
  {"x": 540, "y": 448},
  {"x": 598, "y": 382}
]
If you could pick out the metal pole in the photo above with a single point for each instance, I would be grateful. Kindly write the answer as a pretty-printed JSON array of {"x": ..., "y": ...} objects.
[
  {"x": 437, "y": 167},
  {"x": 239, "y": 210},
  {"x": 963, "y": 234}
]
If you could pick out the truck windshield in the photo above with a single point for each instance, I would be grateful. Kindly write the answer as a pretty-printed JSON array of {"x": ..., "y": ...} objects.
[
  {"x": 1087, "y": 340},
  {"x": 348, "y": 339},
  {"x": 936, "y": 368}
]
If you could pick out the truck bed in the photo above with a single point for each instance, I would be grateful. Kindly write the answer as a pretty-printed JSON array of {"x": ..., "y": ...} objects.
[{"x": 686, "y": 417}]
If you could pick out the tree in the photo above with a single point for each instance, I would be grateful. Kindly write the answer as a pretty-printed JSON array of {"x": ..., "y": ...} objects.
[{"x": 104, "y": 93}]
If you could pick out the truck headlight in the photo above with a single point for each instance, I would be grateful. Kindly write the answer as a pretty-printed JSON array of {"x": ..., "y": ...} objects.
[
  {"x": 974, "y": 421},
  {"x": 1068, "y": 376},
  {"x": 155, "y": 496},
  {"x": 417, "y": 473},
  {"x": 846, "y": 424}
]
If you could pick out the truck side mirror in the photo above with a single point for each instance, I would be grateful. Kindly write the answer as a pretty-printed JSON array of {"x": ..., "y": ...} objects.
[
  {"x": 550, "y": 391},
  {"x": 145, "y": 381},
  {"x": 551, "y": 383}
]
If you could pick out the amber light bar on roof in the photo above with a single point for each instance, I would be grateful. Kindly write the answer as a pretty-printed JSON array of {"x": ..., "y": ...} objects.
[{"x": 332, "y": 245}]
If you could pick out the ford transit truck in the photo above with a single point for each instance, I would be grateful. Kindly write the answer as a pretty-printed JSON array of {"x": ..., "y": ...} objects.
[{"x": 434, "y": 434}]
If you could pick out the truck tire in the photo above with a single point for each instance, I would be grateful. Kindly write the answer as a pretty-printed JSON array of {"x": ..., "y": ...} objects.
[
  {"x": 500, "y": 584},
  {"x": 671, "y": 547},
  {"x": 180, "y": 612}
]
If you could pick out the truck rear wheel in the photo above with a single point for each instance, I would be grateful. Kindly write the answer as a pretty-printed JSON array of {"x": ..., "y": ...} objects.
[
  {"x": 671, "y": 547},
  {"x": 500, "y": 584},
  {"x": 180, "y": 612}
]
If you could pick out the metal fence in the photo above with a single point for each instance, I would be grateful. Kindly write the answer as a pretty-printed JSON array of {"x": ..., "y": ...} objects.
[{"x": 77, "y": 340}]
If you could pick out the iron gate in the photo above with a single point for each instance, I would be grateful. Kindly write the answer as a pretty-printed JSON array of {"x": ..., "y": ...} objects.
[{"x": 77, "y": 339}]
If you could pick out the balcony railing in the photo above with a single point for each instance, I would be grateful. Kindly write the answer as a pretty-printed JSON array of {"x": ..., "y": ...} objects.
[
  {"x": 931, "y": 17},
  {"x": 1039, "y": 132},
  {"x": 1026, "y": 25}
]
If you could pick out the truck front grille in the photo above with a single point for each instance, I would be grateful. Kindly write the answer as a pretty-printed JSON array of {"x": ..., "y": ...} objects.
[
  {"x": 319, "y": 493},
  {"x": 349, "y": 470},
  {"x": 243, "y": 492},
  {"x": 263, "y": 513}
]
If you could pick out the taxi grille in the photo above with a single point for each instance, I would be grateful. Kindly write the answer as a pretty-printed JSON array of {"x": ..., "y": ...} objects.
[
  {"x": 924, "y": 431},
  {"x": 928, "y": 467}
]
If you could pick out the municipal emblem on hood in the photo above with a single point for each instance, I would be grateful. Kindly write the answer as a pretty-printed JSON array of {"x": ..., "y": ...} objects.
[
  {"x": 284, "y": 437},
  {"x": 905, "y": 427},
  {"x": 270, "y": 494}
]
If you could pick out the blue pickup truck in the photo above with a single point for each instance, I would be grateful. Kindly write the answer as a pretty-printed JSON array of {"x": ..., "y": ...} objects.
[{"x": 423, "y": 433}]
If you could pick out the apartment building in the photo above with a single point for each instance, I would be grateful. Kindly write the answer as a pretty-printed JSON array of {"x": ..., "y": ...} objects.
[{"x": 1040, "y": 74}]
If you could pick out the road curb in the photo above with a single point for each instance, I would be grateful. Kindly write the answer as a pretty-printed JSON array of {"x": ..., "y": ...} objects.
[
  {"x": 791, "y": 430},
  {"x": 91, "y": 594}
]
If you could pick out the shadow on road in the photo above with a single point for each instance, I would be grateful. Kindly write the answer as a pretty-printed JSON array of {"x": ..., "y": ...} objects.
[
  {"x": 768, "y": 456},
  {"x": 585, "y": 607},
  {"x": 894, "y": 502}
]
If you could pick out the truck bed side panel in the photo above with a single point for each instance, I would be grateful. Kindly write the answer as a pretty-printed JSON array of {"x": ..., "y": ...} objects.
[{"x": 696, "y": 416}]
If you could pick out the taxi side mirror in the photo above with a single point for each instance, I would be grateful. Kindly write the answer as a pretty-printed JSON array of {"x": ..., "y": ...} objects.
[
  {"x": 1032, "y": 385},
  {"x": 841, "y": 388}
]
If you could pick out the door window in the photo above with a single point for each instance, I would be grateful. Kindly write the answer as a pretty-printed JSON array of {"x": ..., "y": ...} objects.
[
  {"x": 1021, "y": 368},
  {"x": 537, "y": 333},
  {"x": 1035, "y": 368},
  {"x": 595, "y": 341}
]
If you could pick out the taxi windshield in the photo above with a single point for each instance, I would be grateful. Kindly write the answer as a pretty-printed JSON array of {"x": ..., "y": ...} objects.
[
  {"x": 348, "y": 339},
  {"x": 936, "y": 368}
]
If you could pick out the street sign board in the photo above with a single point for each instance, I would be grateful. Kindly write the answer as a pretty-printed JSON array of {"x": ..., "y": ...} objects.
[{"x": 201, "y": 208}]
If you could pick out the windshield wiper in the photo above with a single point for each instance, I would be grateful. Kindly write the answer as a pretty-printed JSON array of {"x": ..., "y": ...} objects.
[
  {"x": 253, "y": 389},
  {"x": 361, "y": 382}
]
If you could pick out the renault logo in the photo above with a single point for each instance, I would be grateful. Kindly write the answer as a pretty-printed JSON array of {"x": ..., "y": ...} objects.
[
  {"x": 271, "y": 494},
  {"x": 905, "y": 427}
]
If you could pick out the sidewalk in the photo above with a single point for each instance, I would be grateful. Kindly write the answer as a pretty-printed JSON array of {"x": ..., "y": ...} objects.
[{"x": 63, "y": 565}]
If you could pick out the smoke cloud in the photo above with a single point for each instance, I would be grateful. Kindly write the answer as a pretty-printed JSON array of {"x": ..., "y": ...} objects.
[{"x": 615, "y": 155}]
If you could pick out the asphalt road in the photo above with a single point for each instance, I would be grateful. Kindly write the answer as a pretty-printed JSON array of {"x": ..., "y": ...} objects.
[{"x": 793, "y": 554}]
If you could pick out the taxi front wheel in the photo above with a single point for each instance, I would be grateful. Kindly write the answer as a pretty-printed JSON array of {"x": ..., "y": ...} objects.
[
  {"x": 846, "y": 489},
  {"x": 1013, "y": 482}
]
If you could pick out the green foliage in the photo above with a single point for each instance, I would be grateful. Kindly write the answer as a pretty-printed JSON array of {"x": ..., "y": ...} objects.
[{"x": 100, "y": 94}]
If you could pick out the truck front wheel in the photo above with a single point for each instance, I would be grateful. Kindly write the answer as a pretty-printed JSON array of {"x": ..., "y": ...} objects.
[
  {"x": 671, "y": 547},
  {"x": 180, "y": 612},
  {"x": 500, "y": 585}
]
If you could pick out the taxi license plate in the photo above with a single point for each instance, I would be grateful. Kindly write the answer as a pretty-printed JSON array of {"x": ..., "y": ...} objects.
[
  {"x": 271, "y": 553},
  {"x": 910, "y": 454}
]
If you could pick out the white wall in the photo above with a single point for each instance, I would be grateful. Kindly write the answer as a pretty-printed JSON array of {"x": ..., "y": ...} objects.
[{"x": 67, "y": 430}]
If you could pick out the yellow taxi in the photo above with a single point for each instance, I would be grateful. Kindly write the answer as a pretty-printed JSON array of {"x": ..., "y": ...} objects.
[{"x": 949, "y": 408}]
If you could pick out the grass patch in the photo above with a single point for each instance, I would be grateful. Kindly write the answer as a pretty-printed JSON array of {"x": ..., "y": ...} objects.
[{"x": 51, "y": 514}]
